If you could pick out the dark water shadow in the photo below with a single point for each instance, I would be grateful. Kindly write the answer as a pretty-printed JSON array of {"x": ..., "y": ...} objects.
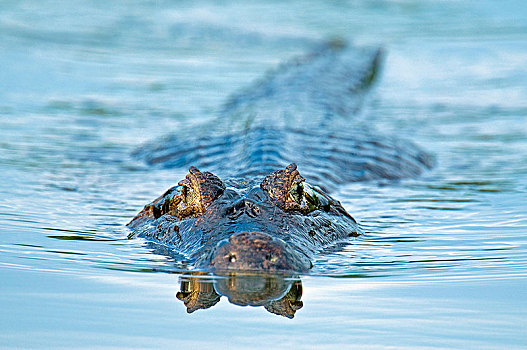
[{"x": 278, "y": 293}]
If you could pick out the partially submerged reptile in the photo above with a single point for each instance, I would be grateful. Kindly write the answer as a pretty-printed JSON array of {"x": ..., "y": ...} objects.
[{"x": 263, "y": 215}]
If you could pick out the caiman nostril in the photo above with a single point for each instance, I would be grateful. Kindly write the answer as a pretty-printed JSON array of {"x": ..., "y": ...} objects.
[{"x": 256, "y": 251}]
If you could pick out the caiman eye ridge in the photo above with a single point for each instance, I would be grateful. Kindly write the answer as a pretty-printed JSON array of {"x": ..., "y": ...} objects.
[
  {"x": 292, "y": 193},
  {"x": 190, "y": 198}
]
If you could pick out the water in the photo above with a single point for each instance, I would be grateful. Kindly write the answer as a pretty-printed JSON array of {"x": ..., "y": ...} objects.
[{"x": 443, "y": 263}]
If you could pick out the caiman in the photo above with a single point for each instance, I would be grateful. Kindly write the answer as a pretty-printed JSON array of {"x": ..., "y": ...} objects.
[{"x": 262, "y": 214}]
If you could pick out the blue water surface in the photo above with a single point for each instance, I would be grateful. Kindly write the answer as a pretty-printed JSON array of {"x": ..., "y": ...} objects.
[{"x": 442, "y": 263}]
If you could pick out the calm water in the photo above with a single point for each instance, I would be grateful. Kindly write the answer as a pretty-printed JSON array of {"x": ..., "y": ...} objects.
[{"x": 443, "y": 263}]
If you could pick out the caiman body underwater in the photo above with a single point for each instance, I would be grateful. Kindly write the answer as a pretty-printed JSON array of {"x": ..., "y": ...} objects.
[{"x": 262, "y": 215}]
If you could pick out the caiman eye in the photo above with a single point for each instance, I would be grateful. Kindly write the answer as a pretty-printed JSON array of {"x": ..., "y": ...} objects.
[
  {"x": 297, "y": 192},
  {"x": 315, "y": 199},
  {"x": 308, "y": 197},
  {"x": 290, "y": 192},
  {"x": 168, "y": 202}
]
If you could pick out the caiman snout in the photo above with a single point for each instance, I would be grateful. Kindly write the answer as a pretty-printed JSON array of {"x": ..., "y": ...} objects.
[{"x": 257, "y": 251}]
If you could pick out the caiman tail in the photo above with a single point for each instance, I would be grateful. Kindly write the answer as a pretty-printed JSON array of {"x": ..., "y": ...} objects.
[
  {"x": 303, "y": 112},
  {"x": 308, "y": 91}
]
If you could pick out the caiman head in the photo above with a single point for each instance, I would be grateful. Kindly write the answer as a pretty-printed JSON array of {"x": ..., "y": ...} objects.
[{"x": 272, "y": 224}]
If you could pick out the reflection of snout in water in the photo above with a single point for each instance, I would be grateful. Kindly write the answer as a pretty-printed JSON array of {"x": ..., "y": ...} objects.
[
  {"x": 257, "y": 251},
  {"x": 279, "y": 294}
]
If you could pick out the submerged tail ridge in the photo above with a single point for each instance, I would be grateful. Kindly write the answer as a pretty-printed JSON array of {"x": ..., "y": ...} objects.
[{"x": 329, "y": 80}]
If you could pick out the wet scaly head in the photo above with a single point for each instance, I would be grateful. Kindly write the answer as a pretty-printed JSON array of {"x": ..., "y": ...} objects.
[{"x": 272, "y": 224}]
